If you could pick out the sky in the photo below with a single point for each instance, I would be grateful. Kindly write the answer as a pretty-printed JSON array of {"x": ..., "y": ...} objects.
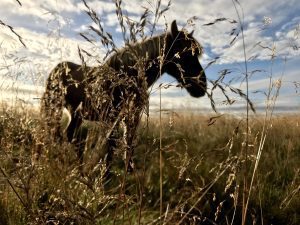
[{"x": 51, "y": 29}]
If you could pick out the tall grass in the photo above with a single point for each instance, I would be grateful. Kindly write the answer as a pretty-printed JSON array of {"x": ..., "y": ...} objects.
[
  {"x": 189, "y": 169},
  {"x": 201, "y": 175}
]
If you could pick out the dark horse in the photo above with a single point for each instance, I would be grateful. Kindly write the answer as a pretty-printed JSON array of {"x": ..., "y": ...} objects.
[{"x": 117, "y": 91}]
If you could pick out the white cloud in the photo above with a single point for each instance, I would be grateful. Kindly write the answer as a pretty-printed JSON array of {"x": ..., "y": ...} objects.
[
  {"x": 53, "y": 16},
  {"x": 175, "y": 99},
  {"x": 48, "y": 28},
  {"x": 35, "y": 14},
  {"x": 13, "y": 92},
  {"x": 216, "y": 37},
  {"x": 42, "y": 53}
]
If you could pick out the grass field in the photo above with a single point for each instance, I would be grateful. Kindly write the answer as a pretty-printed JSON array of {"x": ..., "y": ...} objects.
[
  {"x": 203, "y": 165},
  {"x": 189, "y": 168}
]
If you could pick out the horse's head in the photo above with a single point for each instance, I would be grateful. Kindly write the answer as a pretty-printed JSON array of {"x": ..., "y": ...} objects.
[{"x": 182, "y": 53}]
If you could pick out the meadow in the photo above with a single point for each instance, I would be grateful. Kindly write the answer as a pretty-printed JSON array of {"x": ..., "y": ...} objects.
[
  {"x": 203, "y": 173},
  {"x": 189, "y": 168}
]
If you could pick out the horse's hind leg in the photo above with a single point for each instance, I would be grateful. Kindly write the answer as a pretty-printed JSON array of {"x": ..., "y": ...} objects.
[
  {"x": 130, "y": 125},
  {"x": 75, "y": 135},
  {"x": 109, "y": 156}
]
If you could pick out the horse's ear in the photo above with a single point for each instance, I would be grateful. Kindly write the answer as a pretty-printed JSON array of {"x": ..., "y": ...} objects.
[
  {"x": 191, "y": 34},
  {"x": 174, "y": 29}
]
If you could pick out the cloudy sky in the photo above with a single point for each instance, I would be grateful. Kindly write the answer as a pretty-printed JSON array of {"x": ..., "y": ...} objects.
[{"x": 51, "y": 29}]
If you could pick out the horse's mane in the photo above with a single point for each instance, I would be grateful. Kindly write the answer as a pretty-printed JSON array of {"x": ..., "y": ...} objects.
[{"x": 148, "y": 49}]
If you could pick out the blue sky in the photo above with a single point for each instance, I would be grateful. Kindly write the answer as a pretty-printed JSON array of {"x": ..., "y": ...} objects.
[{"x": 50, "y": 30}]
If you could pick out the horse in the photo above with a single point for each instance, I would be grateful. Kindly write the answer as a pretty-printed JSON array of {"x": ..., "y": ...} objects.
[{"x": 115, "y": 92}]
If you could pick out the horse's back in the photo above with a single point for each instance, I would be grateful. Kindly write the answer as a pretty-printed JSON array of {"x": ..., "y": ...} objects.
[{"x": 66, "y": 71}]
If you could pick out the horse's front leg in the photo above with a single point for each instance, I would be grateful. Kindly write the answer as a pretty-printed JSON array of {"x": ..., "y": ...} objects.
[
  {"x": 129, "y": 125},
  {"x": 75, "y": 136},
  {"x": 111, "y": 146}
]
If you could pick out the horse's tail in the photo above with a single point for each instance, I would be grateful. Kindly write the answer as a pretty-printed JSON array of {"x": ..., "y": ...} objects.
[{"x": 53, "y": 100}]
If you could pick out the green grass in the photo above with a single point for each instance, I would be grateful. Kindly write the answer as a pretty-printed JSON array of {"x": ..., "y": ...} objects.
[{"x": 203, "y": 172}]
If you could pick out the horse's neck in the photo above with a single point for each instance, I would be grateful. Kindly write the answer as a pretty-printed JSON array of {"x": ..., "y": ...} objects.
[
  {"x": 152, "y": 47},
  {"x": 147, "y": 51}
]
